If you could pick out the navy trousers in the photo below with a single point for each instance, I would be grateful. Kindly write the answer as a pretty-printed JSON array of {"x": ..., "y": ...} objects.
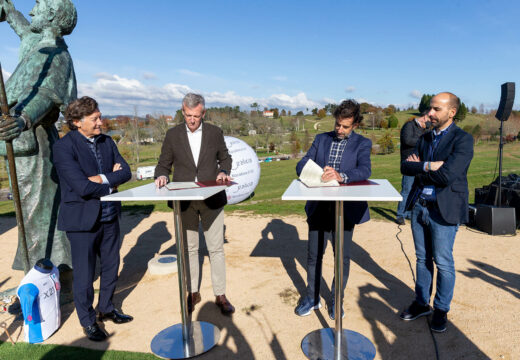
[
  {"x": 315, "y": 249},
  {"x": 102, "y": 241}
]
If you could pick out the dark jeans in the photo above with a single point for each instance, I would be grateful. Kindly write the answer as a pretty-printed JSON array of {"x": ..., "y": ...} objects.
[
  {"x": 433, "y": 239},
  {"x": 315, "y": 249},
  {"x": 102, "y": 241},
  {"x": 406, "y": 186}
]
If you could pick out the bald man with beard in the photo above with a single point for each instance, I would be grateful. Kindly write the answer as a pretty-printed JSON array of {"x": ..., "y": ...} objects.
[{"x": 439, "y": 204}]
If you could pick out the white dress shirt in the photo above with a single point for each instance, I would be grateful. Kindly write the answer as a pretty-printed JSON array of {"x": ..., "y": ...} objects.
[{"x": 195, "y": 140}]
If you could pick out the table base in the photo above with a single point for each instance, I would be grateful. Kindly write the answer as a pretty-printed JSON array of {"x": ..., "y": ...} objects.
[
  {"x": 169, "y": 344},
  {"x": 319, "y": 344}
]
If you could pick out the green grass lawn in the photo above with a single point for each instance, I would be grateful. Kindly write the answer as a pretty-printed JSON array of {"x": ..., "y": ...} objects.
[{"x": 24, "y": 351}]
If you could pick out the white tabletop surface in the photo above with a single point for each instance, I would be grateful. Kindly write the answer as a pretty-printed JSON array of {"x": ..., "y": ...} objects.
[
  {"x": 384, "y": 191},
  {"x": 150, "y": 192}
]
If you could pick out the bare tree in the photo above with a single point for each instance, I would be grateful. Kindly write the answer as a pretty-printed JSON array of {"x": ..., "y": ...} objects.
[{"x": 159, "y": 125}]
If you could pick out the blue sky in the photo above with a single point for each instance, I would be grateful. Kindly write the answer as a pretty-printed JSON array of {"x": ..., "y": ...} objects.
[{"x": 287, "y": 54}]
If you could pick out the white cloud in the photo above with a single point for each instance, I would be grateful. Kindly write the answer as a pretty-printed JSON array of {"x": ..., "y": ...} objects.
[
  {"x": 104, "y": 76},
  {"x": 280, "y": 78},
  {"x": 329, "y": 101},
  {"x": 416, "y": 94},
  {"x": 189, "y": 72},
  {"x": 147, "y": 75},
  {"x": 117, "y": 94},
  {"x": 363, "y": 100},
  {"x": 6, "y": 74},
  {"x": 350, "y": 89},
  {"x": 299, "y": 101}
]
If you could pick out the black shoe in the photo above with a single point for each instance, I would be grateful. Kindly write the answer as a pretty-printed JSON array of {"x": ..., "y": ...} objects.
[
  {"x": 414, "y": 311},
  {"x": 95, "y": 333},
  {"x": 193, "y": 299},
  {"x": 439, "y": 321},
  {"x": 400, "y": 220},
  {"x": 116, "y": 316}
]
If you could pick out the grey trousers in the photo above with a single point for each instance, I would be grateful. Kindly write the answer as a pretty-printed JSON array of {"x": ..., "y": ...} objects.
[{"x": 213, "y": 226}]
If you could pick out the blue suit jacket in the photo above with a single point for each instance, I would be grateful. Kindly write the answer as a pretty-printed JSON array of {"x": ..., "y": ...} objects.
[
  {"x": 75, "y": 163},
  {"x": 355, "y": 163},
  {"x": 451, "y": 183}
]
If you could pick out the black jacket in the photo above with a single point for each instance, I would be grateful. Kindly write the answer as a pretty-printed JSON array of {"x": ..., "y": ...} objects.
[
  {"x": 410, "y": 134},
  {"x": 450, "y": 181}
]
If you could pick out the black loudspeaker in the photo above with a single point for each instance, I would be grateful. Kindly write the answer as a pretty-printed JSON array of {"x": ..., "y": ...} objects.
[
  {"x": 495, "y": 220},
  {"x": 507, "y": 98}
]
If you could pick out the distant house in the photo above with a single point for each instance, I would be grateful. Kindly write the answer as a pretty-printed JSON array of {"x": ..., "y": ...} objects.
[
  {"x": 252, "y": 132},
  {"x": 268, "y": 114}
]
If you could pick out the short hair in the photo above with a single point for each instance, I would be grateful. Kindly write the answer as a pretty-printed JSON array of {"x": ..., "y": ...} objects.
[
  {"x": 192, "y": 100},
  {"x": 348, "y": 109},
  {"x": 78, "y": 109},
  {"x": 66, "y": 15}
]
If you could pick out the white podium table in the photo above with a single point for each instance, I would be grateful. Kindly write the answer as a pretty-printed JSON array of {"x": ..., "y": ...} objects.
[
  {"x": 338, "y": 343},
  {"x": 189, "y": 338}
]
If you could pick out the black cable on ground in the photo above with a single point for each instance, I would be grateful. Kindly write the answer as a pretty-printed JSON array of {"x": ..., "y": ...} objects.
[
  {"x": 413, "y": 276},
  {"x": 404, "y": 252}
]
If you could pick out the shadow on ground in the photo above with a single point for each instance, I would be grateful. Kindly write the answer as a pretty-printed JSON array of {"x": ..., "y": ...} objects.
[
  {"x": 281, "y": 240},
  {"x": 230, "y": 336},
  {"x": 7, "y": 223},
  {"x": 380, "y": 305},
  {"x": 507, "y": 281},
  {"x": 135, "y": 263}
]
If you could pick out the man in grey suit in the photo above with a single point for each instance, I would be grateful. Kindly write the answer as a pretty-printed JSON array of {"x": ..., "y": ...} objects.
[{"x": 198, "y": 152}]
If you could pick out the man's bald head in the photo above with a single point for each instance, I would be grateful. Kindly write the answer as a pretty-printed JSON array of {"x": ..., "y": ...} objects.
[
  {"x": 451, "y": 99},
  {"x": 443, "y": 108}
]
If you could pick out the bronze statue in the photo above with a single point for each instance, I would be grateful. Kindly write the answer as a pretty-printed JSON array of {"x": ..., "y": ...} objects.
[{"x": 40, "y": 87}]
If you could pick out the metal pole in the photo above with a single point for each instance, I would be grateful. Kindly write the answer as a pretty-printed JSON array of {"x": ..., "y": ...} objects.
[
  {"x": 14, "y": 178},
  {"x": 181, "y": 266},
  {"x": 500, "y": 149},
  {"x": 338, "y": 276}
]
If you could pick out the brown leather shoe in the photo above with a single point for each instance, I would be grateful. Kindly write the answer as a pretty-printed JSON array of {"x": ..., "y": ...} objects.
[
  {"x": 225, "y": 306},
  {"x": 193, "y": 299}
]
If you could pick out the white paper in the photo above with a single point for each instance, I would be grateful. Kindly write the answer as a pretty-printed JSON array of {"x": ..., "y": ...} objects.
[
  {"x": 311, "y": 175},
  {"x": 182, "y": 185}
]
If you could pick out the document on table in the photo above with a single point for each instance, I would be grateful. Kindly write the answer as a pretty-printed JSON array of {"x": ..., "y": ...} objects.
[
  {"x": 311, "y": 175},
  {"x": 182, "y": 185}
]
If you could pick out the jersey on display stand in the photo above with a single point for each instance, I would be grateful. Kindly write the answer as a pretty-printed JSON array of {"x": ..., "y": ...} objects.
[{"x": 39, "y": 294}]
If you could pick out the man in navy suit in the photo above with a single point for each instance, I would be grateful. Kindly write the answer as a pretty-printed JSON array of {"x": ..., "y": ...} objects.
[
  {"x": 439, "y": 203},
  {"x": 345, "y": 157},
  {"x": 89, "y": 166}
]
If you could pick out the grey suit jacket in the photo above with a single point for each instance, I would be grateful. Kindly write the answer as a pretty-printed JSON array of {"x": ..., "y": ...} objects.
[{"x": 213, "y": 158}]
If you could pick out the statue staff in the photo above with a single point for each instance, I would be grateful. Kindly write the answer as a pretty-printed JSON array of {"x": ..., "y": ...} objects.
[{"x": 12, "y": 174}]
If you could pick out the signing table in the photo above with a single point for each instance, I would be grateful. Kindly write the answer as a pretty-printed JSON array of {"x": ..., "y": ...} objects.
[
  {"x": 338, "y": 343},
  {"x": 189, "y": 338}
]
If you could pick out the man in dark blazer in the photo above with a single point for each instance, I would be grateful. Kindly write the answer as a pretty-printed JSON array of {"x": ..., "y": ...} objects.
[
  {"x": 345, "y": 157},
  {"x": 89, "y": 166},
  {"x": 198, "y": 152},
  {"x": 439, "y": 203}
]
